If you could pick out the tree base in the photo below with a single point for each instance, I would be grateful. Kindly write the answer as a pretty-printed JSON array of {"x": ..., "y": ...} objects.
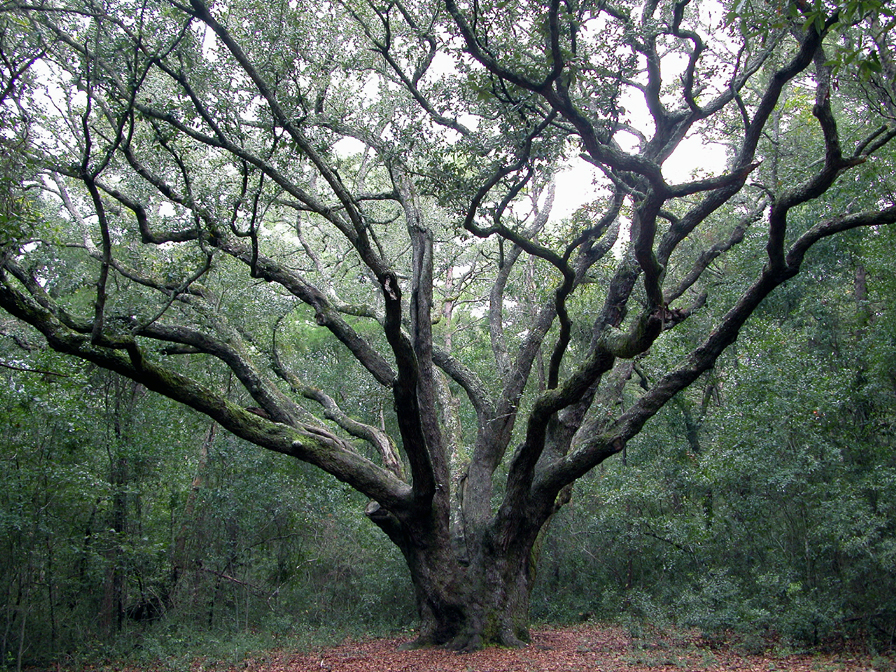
[
  {"x": 468, "y": 639},
  {"x": 467, "y": 643}
]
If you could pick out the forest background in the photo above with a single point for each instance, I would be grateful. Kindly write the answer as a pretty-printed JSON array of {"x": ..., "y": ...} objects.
[
  {"x": 773, "y": 517},
  {"x": 761, "y": 500}
]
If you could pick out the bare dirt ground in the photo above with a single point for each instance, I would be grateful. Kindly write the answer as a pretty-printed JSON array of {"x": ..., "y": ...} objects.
[{"x": 584, "y": 648}]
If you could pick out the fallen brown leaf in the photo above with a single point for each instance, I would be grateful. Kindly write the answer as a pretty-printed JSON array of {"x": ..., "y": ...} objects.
[{"x": 579, "y": 649}]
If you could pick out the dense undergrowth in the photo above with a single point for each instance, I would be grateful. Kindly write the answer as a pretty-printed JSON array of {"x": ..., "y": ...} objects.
[{"x": 761, "y": 508}]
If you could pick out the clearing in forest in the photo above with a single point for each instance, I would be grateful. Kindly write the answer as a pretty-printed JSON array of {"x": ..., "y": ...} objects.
[{"x": 584, "y": 648}]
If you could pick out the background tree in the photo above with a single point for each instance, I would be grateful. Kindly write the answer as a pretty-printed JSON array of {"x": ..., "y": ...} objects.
[
  {"x": 760, "y": 502},
  {"x": 217, "y": 187}
]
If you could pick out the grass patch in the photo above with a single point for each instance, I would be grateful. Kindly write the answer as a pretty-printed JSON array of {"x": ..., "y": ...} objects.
[{"x": 172, "y": 647}]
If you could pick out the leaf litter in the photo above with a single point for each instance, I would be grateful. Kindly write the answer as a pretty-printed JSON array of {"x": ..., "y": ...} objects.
[{"x": 584, "y": 648}]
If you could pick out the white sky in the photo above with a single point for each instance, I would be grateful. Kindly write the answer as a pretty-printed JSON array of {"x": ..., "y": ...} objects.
[{"x": 575, "y": 184}]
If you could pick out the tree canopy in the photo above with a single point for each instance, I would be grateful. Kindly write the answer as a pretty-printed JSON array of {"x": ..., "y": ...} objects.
[{"x": 332, "y": 229}]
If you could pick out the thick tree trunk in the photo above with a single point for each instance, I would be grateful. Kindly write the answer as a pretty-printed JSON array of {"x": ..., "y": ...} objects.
[
  {"x": 466, "y": 608},
  {"x": 467, "y": 604}
]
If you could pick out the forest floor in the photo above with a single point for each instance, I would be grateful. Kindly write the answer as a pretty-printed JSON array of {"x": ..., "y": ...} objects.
[{"x": 583, "y": 648}]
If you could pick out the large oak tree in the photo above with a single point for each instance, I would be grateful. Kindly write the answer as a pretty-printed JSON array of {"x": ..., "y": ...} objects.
[{"x": 197, "y": 193}]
